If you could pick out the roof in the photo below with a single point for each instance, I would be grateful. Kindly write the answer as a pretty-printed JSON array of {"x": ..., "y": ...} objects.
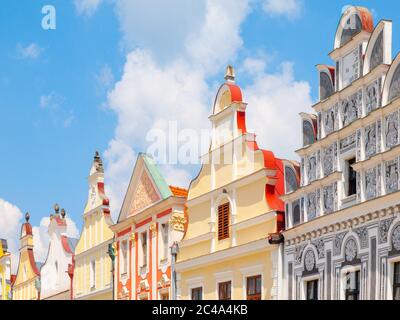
[{"x": 178, "y": 192}]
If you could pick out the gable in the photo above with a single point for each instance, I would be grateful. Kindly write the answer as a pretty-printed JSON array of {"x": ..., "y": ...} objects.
[{"x": 144, "y": 195}]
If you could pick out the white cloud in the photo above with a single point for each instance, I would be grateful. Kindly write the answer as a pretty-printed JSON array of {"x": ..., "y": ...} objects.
[
  {"x": 55, "y": 105},
  {"x": 289, "y": 8},
  {"x": 105, "y": 78},
  {"x": 87, "y": 7},
  {"x": 31, "y": 51},
  {"x": 274, "y": 103}
]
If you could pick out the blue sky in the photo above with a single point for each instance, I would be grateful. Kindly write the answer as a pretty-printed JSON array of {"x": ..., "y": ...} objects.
[{"x": 60, "y": 101}]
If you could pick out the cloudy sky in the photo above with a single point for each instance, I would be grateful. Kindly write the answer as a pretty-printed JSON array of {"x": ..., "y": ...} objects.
[{"x": 112, "y": 70}]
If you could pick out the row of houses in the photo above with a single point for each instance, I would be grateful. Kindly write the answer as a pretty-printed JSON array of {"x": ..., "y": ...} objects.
[{"x": 251, "y": 225}]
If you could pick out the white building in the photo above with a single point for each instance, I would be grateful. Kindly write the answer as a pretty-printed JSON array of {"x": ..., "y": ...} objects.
[
  {"x": 342, "y": 238},
  {"x": 55, "y": 281}
]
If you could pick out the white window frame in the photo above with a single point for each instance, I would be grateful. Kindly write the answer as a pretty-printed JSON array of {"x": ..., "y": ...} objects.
[
  {"x": 194, "y": 283},
  {"x": 342, "y": 286},
  {"x": 303, "y": 291},
  {"x": 221, "y": 277},
  {"x": 390, "y": 274},
  {"x": 250, "y": 272}
]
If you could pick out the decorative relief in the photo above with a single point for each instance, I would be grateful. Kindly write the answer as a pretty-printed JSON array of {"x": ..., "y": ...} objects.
[
  {"x": 337, "y": 243},
  {"x": 394, "y": 89},
  {"x": 370, "y": 183},
  {"x": 349, "y": 109},
  {"x": 362, "y": 233},
  {"x": 302, "y": 172},
  {"x": 370, "y": 140},
  {"x": 320, "y": 246},
  {"x": 392, "y": 176},
  {"x": 377, "y": 52},
  {"x": 302, "y": 209},
  {"x": 384, "y": 226},
  {"x": 396, "y": 238},
  {"x": 153, "y": 229},
  {"x": 311, "y": 168},
  {"x": 328, "y": 199},
  {"x": 178, "y": 222},
  {"x": 309, "y": 260},
  {"x": 329, "y": 121},
  {"x": 379, "y": 179},
  {"x": 328, "y": 160},
  {"x": 371, "y": 102},
  {"x": 378, "y": 135},
  {"x": 308, "y": 133},
  {"x": 326, "y": 85},
  {"x": 336, "y": 116},
  {"x": 145, "y": 194},
  {"x": 318, "y": 169},
  {"x": 298, "y": 253},
  {"x": 358, "y": 182},
  {"x": 291, "y": 180},
  {"x": 311, "y": 205},
  {"x": 392, "y": 129},
  {"x": 348, "y": 143},
  {"x": 350, "y": 251}
]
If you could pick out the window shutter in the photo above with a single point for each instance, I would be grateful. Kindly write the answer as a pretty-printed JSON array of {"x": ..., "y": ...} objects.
[{"x": 223, "y": 221}]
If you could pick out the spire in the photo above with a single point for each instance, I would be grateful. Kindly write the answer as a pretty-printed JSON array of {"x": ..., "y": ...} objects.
[
  {"x": 230, "y": 74},
  {"x": 98, "y": 162}
]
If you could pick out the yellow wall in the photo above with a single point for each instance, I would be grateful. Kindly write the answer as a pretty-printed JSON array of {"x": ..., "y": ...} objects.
[
  {"x": 5, "y": 266},
  {"x": 24, "y": 286}
]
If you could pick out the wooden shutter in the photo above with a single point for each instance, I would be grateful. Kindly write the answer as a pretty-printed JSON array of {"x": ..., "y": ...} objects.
[{"x": 223, "y": 221}]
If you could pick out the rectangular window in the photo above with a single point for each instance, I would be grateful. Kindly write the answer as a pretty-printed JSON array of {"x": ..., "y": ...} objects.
[
  {"x": 353, "y": 285},
  {"x": 197, "y": 293},
  {"x": 224, "y": 290},
  {"x": 92, "y": 274},
  {"x": 124, "y": 249},
  {"x": 223, "y": 221},
  {"x": 164, "y": 231},
  {"x": 312, "y": 290},
  {"x": 396, "y": 281},
  {"x": 144, "y": 249},
  {"x": 254, "y": 288},
  {"x": 351, "y": 180}
]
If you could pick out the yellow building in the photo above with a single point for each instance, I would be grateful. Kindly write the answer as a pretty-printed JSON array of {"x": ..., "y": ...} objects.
[
  {"x": 27, "y": 282},
  {"x": 92, "y": 272},
  {"x": 232, "y": 247},
  {"x": 5, "y": 271}
]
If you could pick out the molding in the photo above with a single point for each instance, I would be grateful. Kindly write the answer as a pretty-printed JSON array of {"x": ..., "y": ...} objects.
[
  {"x": 94, "y": 249},
  {"x": 379, "y": 158},
  {"x": 201, "y": 238},
  {"x": 256, "y": 269},
  {"x": 268, "y": 216}
]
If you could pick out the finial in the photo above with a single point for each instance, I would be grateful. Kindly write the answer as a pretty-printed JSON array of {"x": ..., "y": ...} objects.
[
  {"x": 63, "y": 213},
  {"x": 56, "y": 208},
  {"x": 98, "y": 161},
  {"x": 230, "y": 74},
  {"x": 27, "y": 217}
]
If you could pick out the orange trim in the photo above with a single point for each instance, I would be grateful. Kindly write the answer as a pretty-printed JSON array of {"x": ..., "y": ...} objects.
[
  {"x": 124, "y": 232},
  {"x": 142, "y": 223},
  {"x": 32, "y": 262},
  {"x": 164, "y": 213},
  {"x": 236, "y": 93},
  {"x": 241, "y": 121},
  {"x": 178, "y": 192}
]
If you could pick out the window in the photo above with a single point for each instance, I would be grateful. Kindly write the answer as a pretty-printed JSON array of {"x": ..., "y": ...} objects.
[
  {"x": 144, "y": 249},
  {"x": 396, "y": 281},
  {"x": 351, "y": 187},
  {"x": 92, "y": 274},
  {"x": 353, "y": 285},
  {"x": 312, "y": 290},
  {"x": 296, "y": 213},
  {"x": 223, "y": 221},
  {"x": 164, "y": 231},
  {"x": 164, "y": 296},
  {"x": 197, "y": 293},
  {"x": 224, "y": 290},
  {"x": 124, "y": 250},
  {"x": 254, "y": 288}
]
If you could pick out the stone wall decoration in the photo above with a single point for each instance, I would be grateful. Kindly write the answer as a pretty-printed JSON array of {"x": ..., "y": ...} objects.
[
  {"x": 336, "y": 116},
  {"x": 325, "y": 85},
  {"x": 328, "y": 160},
  {"x": 311, "y": 168},
  {"x": 335, "y": 197},
  {"x": 377, "y": 52},
  {"x": 348, "y": 143},
  {"x": 379, "y": 180},
  {"x": 302, "y": 172},
  {"x": 396, "y": 238},
  {"x": 311, "y": 205},
  {"x": 298, "y": 253},
  {"x": 296, "y": 212},
  {"x": 392, "y": 176},
  {"x": 350, "y": 251},
  {"x": 362, "y": 233},
  {"x": 291, "y": 180},
  {"x": 392, "y": 129},
  {"x": 353, "y": 26},
  {"x": 384, "y": 226},
  {"x": 394, "y": 89},
  {"x": 371, "y": 99},
  {"x": 328, "y": 199},
  {"x": 378, "y": 135},
  {"x": 349, "y": 109},
  {"x": 309, "y": 260},
  {"x": 358, "y": 145},
  {"x": 370, "y": 183},
  {"x": 319, "y": 125},
  {"x": 308, "y": 133},
  {"x": 320, "y": 246},
  {"x": 329, "y": 121},
  {"x": 318, "y": 168},
  {"x": 370, "y": 140},
  {"x": 358, "y": 182},
  {"x": 337, "y": 243}
]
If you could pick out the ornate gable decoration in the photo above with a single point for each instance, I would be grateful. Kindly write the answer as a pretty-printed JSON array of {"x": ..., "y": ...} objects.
[{"x": 145, "y": 194}]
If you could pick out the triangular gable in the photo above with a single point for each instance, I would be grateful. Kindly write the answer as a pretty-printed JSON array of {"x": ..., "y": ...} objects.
[{"x": 146, "y": 187}]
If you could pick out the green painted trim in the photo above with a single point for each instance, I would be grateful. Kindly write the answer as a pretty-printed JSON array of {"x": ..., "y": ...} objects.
[{"x": 155, "y": 173}]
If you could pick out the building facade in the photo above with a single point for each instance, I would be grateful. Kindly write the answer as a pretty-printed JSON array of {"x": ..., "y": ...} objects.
[
  {"x": 151, "y": 220},
  {"x": 91, "y": 270},
  {"x": 27, "y": 281},
  {"x": 5, "y": 271},
  {"x": 342, "y": 239},
  {"x": 55, "y": 281},
  {"x": 232, "y": 247}
]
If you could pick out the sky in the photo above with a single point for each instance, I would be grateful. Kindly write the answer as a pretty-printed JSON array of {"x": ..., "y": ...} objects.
[{"x": 114, "y": 70}]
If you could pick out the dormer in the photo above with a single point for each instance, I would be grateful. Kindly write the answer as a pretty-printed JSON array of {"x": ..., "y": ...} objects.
[
  {"x": 310, "y": 131},
  {"x": 351, "y": 39},
  {"x": 326, "y": 81}
]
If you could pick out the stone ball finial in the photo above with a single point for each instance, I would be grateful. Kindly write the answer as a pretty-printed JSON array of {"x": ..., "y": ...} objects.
[
  {"x": 56, "y": 208},
  {"x": 63, "y": 213},
  {"x": 27, "y": 217}
]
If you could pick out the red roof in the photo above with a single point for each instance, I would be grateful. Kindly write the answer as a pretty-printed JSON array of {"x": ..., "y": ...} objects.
[
  {"x": 236, "y": 92},
  {"x": 178, "y": 192},
  {"x": 65, "y": 244},
  {"x": 32, "y": 262}
]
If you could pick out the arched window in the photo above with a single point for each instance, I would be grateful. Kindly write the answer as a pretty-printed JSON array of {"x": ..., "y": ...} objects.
[
  {"x": 296, "y": 218},
  {"x": 223, "y": 221},
  {"x": 351, "y": 28},
  {"x": 308, "y": 133},
  {"x": 377, "y": 52},
  {"x": 291, "y": 180},
  {"x": 325, "y": 85},
  {"x": 394, "y": 89}
]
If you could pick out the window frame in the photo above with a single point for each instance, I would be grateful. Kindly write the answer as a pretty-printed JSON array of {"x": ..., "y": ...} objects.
[
  {"x": 228, "y": 283},
  {"x": 256, "y": 295},
  {"x": 223, "y": 220},
  {"x": 201, "y": 288}
]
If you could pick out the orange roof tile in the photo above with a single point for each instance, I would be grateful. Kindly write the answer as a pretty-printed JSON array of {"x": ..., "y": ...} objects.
[{"x": 178, "y": 192}]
